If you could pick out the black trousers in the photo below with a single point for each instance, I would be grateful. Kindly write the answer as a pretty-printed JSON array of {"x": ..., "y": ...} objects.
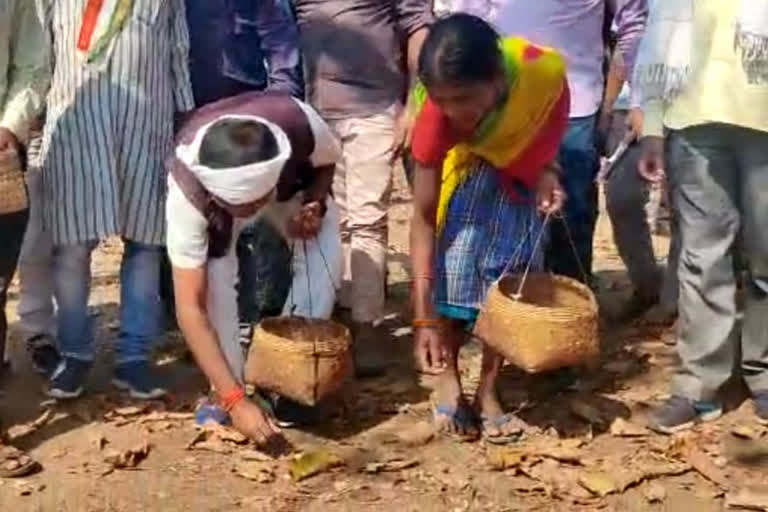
[{"x": 12, "y": 227}]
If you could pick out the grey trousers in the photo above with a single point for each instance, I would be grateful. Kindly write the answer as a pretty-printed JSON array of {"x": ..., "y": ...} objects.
[
  {"x": 632, "y": 215},
  {"x": 720, "y": 185}
]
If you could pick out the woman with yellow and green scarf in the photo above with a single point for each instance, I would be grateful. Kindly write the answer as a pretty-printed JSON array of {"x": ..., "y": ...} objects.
[{"x": 490, "y": 116}]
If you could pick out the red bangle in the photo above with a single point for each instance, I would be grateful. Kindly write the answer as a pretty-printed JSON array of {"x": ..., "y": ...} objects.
[
  {"x": 231, "y": 398},
  {"x": 426, "y": 323}
]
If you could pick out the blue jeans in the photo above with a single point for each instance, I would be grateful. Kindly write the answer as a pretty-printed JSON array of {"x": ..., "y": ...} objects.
[
  {"x": 140, "y": 309},
  {"x": 579, "y": 159}
]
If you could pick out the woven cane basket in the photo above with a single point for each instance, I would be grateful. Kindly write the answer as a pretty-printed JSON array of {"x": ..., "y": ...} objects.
[
  {"x": 553, "y": 324},
  {"x": 302, "y": 359},
  {"x": 13, "y": 193}
]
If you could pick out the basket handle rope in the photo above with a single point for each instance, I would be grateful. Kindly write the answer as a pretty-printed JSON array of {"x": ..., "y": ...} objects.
[
  {"x": 315, "y": 355},
  {"x": 515, "y": 259},
  {"x": 539, "y": 237}
]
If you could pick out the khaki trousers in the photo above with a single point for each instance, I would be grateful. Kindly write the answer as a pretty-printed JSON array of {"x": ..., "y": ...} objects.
[{"x": 362, "y": 188}]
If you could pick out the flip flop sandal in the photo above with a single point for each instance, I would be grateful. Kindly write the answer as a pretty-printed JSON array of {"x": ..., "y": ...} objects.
[
  {"x": 499, "y": 422},
  {"x": 462, "y": 416},
  {"x": 16, "y": 464}
]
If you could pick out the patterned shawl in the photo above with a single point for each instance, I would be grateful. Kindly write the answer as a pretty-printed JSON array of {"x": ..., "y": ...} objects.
[{"x": 522, "y": 135}]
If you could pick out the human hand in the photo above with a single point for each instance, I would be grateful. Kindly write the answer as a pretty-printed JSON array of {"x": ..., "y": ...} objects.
[
  {"x": 651, "y": 163},
  {"x": 253, "y": 421},
  {"x": 635, "y": 122},
  {"x": 550, "y": 195},
  {"x": 8, "y": 141},
  {"x": 403, "y": 134},
  {"x": 429, "y": 350},
  {"x": 307, "y": 222}
]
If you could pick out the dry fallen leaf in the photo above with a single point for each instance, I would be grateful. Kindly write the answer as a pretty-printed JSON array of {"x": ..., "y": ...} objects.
[
  {"x": 508, "y": 457},
  {"x": 255, "y": 456},
  {"x": 310, "y": 464},
  {"x": 391, "y": 466},
  {"x": 563, "y": 454},
  {"x": 706, "y": 467},
  {"x": 598, "y": 483},
  {"x": 655, "y": 493},
  {"x": 745, "y": 432},
  {"x": 131, "y": 410},
  {"x": 18, "y": 431},
  {"x": 167, "y": 416},
  {"x": 749, "y": 498},
  {"x": 160, "y": 426},
  {"x": 214, "y": 446},
  {"x": 622, "y": 428},
  {"x": 200, "y": 436},
  {"x": 227, "y": 434},
  {"x": 620, "y": 479},
  {"x": 128, "y": 459},
  {"x": 260, "y": 473}
]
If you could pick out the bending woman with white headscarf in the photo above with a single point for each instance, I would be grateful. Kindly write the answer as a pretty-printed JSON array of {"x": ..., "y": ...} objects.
[{"x": 256, "y": 154}]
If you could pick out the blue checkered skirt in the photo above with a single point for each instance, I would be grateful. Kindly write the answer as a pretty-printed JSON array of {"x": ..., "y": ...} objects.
[{"x": 486, "y": 232}]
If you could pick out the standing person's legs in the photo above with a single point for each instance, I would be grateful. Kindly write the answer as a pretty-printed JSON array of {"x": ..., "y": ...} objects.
[
  {"x": 140, "y": 320},
  {"x": 703, "y": 176},
  {"x": 12, "y": 226},
  {"x": 36, "y": 309},
  {"x": 13, "y": 462},
  {"x": 626, "y": 197},
  {"x": 578, "y": 156},
  {"x": 72, "y": 286},
  {"x": 753, "y": 161},
  {"x": 362, "y": 189}
]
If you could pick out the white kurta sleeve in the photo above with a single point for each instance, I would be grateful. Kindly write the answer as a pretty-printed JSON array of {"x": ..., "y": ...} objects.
[{"x": 186, "y": 230}]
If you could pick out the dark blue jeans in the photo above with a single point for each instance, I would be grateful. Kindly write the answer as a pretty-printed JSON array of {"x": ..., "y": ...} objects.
[{"x": 580, "y": 162}]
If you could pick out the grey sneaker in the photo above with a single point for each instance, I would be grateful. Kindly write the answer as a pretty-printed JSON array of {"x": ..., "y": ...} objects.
[
  {"x": 138, "y": 380},
  {"x": 679, "y": 414},
  {"x": 760, "y": 399},
  {"x": 68, "y": 379}
]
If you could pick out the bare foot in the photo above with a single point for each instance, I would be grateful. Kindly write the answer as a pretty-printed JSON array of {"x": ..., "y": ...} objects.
[
  {"x": 496, "y": 424},
  {"x": 452, "y": 413}
]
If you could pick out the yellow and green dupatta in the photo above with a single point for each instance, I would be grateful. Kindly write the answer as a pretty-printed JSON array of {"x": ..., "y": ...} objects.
[{"x": 536, "y": 77}]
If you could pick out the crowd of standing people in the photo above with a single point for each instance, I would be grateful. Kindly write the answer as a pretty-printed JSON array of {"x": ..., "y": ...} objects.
[{"x": 239, "y": 147}]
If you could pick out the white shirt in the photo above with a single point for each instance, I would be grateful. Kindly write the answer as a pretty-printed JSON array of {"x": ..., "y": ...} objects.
[{"x": 187, "y": 243}]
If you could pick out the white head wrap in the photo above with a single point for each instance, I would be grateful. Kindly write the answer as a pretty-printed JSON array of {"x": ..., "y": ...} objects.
[{"x": 237, "y": 185}]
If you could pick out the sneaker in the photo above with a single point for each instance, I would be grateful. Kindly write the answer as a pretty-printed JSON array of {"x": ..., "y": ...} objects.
[
  {"x": 138, "y": 380},
  {"x": 68, "y": 378},
  {"x": 760, "y": 400},
  {"x": 290, "y": 414},
  {"x": 42, "y": 351},
  {"x": 679, "y": 414}
]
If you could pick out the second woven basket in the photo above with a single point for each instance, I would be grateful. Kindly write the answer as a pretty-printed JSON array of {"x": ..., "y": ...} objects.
[
  {"x": 553, "y": 324},
  {"x": 299, "y": 358}
]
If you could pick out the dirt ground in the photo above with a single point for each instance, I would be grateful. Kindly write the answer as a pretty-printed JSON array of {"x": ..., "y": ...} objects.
[{"x": 585, "y": 447}]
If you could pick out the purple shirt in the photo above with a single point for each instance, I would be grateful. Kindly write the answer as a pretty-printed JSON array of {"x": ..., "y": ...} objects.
[{"x": 575, "y": 28}]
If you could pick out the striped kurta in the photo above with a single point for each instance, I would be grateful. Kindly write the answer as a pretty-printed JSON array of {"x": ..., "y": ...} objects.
[{"x": 109, "y": 131}]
